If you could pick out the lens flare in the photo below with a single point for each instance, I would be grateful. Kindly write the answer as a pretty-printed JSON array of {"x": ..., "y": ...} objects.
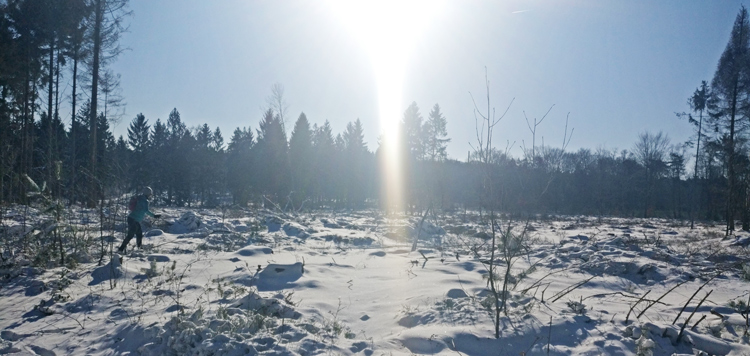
[{"x": 388, "y": 30}]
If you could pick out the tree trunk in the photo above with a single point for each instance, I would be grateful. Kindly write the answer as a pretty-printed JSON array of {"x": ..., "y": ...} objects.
[
  {"x": 99, "y": 18},
  {"x": 50, "y": 90}
]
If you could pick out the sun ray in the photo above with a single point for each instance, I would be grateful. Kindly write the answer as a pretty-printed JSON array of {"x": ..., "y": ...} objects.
[{"x": 388, "y": 30}]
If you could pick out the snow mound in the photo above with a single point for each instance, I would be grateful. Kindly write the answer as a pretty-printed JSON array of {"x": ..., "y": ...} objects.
[
  {"x": 250, "y": 326},
  {"x": 252, "y": 251},
  {"x": 158, "y": 258},
  {"x": 430, "y": 229},
  {"x": 279, "y": 276},
  {"x": 274, "y": 223},
  {"x": 221, "y": 227},
  {"x": 294, "y": 229},
  {"x": 154, "y": 232},
  {"x": 111, "y": 270},
  {"x": 188, "y": 222},
  {"x": 456, "y": 293}
]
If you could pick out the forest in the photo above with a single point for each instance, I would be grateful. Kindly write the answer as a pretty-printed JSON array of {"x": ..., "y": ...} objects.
[{"x": 55, "y": 54}]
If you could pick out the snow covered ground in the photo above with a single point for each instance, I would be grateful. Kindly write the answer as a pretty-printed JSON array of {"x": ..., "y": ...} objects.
[{"x": 211, "y": 282}]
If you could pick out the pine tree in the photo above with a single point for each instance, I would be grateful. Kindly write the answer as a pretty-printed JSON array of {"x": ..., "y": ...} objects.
[
  {"x": 180, "y": 149},
  {"x": 240, "y": 177},
  {"x": 139, "y": 140},
  {"x": 730, "y": 100},
  {"x": 203, "y": 165},
  {"x": 301, "y": 159},
  {"x": 435, "y": 135},
  {"x": 324, "y": 167},
  {"x": 412, "y": 132},
  {"x": 355, "y": 159},
  {"x": 107, "y": 19},
  {"x": 273, "y": 157},
  {"x": 158, "y": 158}
]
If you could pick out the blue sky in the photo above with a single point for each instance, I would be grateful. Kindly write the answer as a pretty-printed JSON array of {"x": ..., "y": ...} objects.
[{"x": 618, "y": 67}]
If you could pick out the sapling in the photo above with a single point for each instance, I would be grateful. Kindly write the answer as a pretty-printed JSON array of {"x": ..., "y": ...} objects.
[{"x": 484, "y": 150}]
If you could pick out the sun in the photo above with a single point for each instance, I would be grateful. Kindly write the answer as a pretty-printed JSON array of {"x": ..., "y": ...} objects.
[{"x": 388, "y": 30}]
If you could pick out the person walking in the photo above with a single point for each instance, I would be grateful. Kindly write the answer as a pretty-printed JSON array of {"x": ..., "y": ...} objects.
[{"x": 139, "y": 211}]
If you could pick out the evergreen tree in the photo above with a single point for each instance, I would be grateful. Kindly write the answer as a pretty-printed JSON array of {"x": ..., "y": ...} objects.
[
  {"x": 208, "y": 166},
  {"x": 272, "y": 157},
  {"x": 239, "y": 163},
  {"x": 180, "y": 149},
  {"x": 157, "y": 159},
  {"x": 139, "y": 140},
  {"x": 412, "y": 132},
  {"x": 301, "y": 159},
  {"x": 435, "y": 135},
  {"x": 698, "y": 103},
  {"x": 324, "y": 167},
  {"x": 218, "y": 141},
  {"x": 730, "y": 100},
  {"x": 355, "y": 163},
  {"x": 107, "y": 19}
]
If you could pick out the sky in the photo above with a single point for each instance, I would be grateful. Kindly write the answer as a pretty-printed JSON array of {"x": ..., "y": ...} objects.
[{"x": 615, "y": 68}]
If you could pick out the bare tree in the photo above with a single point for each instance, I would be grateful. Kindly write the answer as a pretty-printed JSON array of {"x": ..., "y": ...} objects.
[
  {"x": 278, "y": 104},
  {"x": 484, "y": 126},
  {"x": 650, "y": 151}
]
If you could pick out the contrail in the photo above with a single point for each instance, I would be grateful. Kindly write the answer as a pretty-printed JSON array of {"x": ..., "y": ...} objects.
[{"x": 519, "y": 11}]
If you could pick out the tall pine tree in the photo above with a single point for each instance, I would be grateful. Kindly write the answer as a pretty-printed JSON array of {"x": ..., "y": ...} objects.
[
  {"x": 730, "y": 101},
  {"x": 301, "y": 159}
]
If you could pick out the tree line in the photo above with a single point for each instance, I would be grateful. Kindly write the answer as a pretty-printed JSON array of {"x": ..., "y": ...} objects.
[
  {"x": 52, "y": 50},
  {"x": 54, "y": 54}
]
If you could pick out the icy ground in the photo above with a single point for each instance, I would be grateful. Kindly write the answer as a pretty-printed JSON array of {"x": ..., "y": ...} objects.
[{"x": 263, "y": 283}]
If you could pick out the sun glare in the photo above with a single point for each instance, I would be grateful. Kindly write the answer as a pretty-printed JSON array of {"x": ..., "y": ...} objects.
[{"x": 388, "y": 30}]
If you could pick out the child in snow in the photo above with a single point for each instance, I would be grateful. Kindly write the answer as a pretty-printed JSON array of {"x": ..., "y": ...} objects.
[{"x": 135, "y": 218}]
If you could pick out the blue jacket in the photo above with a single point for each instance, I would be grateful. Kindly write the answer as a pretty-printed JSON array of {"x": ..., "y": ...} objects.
[{"x": 141, "y": 209}]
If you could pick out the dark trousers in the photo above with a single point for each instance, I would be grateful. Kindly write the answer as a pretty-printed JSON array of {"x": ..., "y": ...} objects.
[{"x": 134, "y": 228}]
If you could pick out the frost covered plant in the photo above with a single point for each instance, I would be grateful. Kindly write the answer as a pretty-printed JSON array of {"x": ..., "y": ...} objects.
[
  {"x": 334, "y": 327},
  {"x": 644, "y": 344},
  {"x": 743, "y": 308},
  {"x": 151, "y": 271},
  {"x": 58, "y": 287},
  {"x": 746, "y": 271},
  {"x": 447, "y": 304},
  {"x": 576, "y": 306}
]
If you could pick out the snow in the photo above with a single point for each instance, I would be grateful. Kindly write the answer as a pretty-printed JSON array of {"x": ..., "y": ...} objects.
[{"x": 348, "y": 283}]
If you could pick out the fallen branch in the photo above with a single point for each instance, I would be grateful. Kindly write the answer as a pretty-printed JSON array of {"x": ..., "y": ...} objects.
[
  {"x": 693, "y": 296},
  {"x": 698, "y": 322},
  {"x": 565, "y": 291},
  {"x": 682, "y": 329},
  {"x": 539, "y": 281},
  {"x": 656, "y": 301},
  {"x": 423, "y": 256},
  {"x": 627, "y": 317}
]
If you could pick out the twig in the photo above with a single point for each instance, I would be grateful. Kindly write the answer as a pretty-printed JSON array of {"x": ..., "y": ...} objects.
[
  {"x": 419, "y": 229},
  {"x": 565, "y": 291},
  {"x": 549, "y": 334},
  {"x": 532, "y": 345},
  {"x": 656, "y": 301},
  {"x": 691, "y": 298},
  {"x": 682, "y": 329},
  {"x": 627, "y": 317},
  {"x": 608, "y": 294},
  {"x": 698, "y": 322},
  {"x": 423, "y": 256}
]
